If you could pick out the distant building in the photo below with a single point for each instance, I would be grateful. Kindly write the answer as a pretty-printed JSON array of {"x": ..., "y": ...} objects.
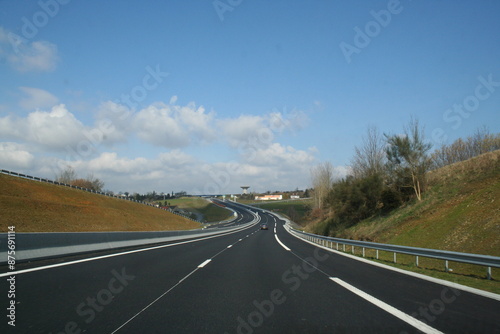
[
  {"x": 294, "y": 197},
  {"x": 269, "y": 198}
]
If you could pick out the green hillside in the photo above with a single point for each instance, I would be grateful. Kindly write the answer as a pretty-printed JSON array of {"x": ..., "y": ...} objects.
[
  {"x": 459, "y": 212},
  {"x": 33, "y": 206}
]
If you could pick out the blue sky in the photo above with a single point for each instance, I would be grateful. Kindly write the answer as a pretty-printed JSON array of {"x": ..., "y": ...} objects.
[{"x": 205, "y": 96}]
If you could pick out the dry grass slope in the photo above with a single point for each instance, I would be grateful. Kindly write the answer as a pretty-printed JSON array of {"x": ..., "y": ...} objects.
[{"x": 34, "y": 206}]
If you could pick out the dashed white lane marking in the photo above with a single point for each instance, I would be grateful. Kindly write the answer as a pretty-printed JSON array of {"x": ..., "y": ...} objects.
[
  {"x": 229, "y": 246},
  {"x": 388, "y": 308},
  {"x": 205, "y": 263}
]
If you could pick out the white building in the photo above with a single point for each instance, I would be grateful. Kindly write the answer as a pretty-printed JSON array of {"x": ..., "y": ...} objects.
[{"x": 269, "y": 198}]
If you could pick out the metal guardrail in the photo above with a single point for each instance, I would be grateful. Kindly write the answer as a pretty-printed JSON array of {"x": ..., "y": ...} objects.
[{"x": 477, "y": 259}]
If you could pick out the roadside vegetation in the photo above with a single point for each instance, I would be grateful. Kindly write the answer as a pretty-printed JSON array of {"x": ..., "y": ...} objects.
[
  {"x": 296, "y": 210},
  {"x": 394, "y": 173},
  {"x": 398, "y": 192}
]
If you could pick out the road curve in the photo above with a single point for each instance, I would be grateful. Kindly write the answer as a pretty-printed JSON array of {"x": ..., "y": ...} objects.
[{"x": 249, "y": 281}]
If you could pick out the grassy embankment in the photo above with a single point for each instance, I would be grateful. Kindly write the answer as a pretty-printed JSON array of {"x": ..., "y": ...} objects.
[
  {"x": 33, "y": 206},
  {"x": 211, "y": 212},
  {"x": 459, "y": 212}
]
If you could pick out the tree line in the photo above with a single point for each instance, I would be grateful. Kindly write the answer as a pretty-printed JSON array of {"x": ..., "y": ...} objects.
[
  {"x": 69, "y": 176},
  {"x": 387, "y": 171}
]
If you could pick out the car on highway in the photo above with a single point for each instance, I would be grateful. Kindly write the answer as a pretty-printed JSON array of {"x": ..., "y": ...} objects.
[{"x": 264, "y": 227}]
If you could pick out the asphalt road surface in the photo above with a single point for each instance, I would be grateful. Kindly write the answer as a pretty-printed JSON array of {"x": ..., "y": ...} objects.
[{"x": 249, "y": 281}]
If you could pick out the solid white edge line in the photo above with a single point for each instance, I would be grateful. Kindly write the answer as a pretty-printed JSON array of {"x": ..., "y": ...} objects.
[
  {"x": 204, "y": 263},
  {"x": 18, "y": 272},
  {"x": 388, "y": 308},
  {"x": 440, "y": 281},
  {"x": 282, "y": 245}
]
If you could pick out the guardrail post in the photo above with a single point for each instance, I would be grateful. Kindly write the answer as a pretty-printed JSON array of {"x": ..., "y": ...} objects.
[
  {"x": 377, "y": 254},
  {"x": 352, "y": 249},
  {"x": 394, "y": 257},
  {"x": 337, "y": 246},
  {"x": 363, "y": 251},
  {"x": 446, "y": 267},
  {"x": 416, "y": 260},
  {"x": 343, "y": 246},
  {"x": 488, "y": 273}
]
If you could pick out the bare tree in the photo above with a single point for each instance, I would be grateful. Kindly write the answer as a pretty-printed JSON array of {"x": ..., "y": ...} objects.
[
  {"x": 67, "y": 176},
  {"x": 460, "y": 150},
  {"x": 95, "y": 183},
  {"x": 407, "y": 156},
  {"x": 369, "y": 159},
  {"x": 322, "y": 180}
]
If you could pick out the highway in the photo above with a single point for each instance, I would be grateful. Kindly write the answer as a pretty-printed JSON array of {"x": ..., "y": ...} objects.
[{"x": 248, "y": 281}]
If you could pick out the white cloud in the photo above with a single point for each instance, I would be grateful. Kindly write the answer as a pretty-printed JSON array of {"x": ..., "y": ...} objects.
[
  {"x": 119, "y": 116},
  {"x": 159, "y": 125},
  {"x": 37, "y": 98},
  {"x": 262, "y": 162},
  {"x": 286, "y": 156},
  {"x": 25, "y": 56},
  {"x": 287, "y": 120},
  {"x": 174, "y": 126},
  {"x": 256, "y": 132},
  {"x": 246, "y": 130},
  {"x": 176, "y": 159},
  {"x": 15, "y": 157},
  {"x": 197, "y": 121},
  {"x": 52, "y": 129},
  {"x": 109, "y": 161}
]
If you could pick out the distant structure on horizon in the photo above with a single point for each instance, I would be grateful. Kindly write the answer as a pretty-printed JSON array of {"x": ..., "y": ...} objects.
[
  {"x": 245, "y": 189},
  {"x": 269, "y": 198}
]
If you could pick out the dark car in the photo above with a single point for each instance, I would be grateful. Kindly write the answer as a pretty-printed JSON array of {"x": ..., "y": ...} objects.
[{"x": 264, "y": 227}]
